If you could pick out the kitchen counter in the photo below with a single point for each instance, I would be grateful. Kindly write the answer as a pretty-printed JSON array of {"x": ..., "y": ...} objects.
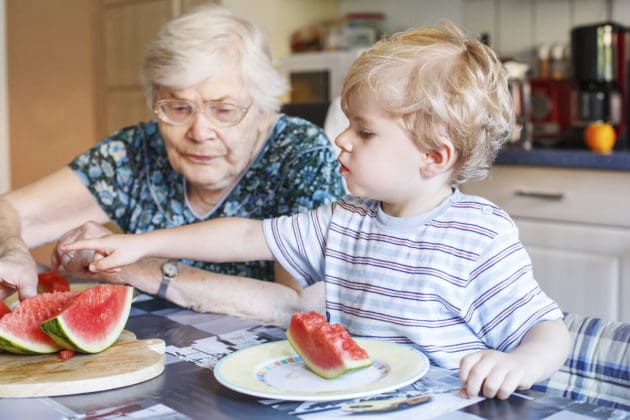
[{"x": 567, "y": 158}]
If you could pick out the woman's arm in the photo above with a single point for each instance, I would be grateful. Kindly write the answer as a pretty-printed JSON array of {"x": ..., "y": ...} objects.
[
  {"x": 205, "y": 291},
  {"x": 36, "y": 214},
  {"x": 541, "y": 352}
]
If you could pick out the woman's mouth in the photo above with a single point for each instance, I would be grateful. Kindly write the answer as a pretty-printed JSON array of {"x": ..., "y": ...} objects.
[{"x": 200, "y": 158}]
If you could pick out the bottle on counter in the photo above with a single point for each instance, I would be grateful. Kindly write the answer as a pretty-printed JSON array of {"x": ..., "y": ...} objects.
[{"x": 543, "y": 61}]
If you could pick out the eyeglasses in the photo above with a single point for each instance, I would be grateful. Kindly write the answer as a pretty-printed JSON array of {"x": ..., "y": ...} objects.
[{"x": 182, "y": 112}]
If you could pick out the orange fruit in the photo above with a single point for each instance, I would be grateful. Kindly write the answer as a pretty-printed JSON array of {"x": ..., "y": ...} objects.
[{"x": 600, "y": 137}]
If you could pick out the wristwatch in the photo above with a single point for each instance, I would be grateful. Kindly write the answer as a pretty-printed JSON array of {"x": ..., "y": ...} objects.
[{"x": 169, "y": 272}]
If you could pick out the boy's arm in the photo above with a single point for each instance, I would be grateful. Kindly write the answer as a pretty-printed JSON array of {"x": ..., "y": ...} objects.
[
  {"x": 541, "y": 352},
  {"x": 218, "y": 240}
]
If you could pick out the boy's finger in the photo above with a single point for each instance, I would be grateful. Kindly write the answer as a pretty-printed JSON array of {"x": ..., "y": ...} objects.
[
  {"x": 78, "y": 245},
  {"x": 466, "y": 364}
]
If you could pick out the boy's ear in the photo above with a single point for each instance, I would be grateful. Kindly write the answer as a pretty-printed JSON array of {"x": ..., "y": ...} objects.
[{"x": 440, "y": 160}]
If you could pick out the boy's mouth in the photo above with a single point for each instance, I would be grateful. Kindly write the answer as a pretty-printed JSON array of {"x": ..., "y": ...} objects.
[{"x": 343, "y": 170}]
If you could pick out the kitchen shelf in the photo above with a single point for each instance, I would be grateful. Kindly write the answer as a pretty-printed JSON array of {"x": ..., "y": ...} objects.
[{"x": 564, "y": 158}]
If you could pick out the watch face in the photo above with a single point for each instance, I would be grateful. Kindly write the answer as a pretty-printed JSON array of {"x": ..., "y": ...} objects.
[{"x": 169, "y": 268}]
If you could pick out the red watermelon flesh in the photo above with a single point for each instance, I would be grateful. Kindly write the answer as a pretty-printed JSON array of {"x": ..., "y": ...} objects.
[
  {"x": 4, "y": 309},
  {"x": 19, "y": 329},
  {"x": 52, "y": 281},
  {"x": 327, "y": 349},
  {"x": 94, "y": 319}
]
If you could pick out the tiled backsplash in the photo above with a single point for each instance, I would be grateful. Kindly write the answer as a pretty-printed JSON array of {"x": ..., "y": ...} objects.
[{"x": 516, "y": 27}]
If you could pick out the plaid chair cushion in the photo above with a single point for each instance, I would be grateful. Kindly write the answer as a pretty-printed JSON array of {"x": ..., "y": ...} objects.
[{"x": 597, "y": 370}]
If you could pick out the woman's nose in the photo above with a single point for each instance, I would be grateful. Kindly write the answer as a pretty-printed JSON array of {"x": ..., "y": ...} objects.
[{"x": 201, "y": 128}]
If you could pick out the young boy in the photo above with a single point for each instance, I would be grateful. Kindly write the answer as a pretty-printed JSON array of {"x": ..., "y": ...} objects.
[{"x": 407, "y": 257}]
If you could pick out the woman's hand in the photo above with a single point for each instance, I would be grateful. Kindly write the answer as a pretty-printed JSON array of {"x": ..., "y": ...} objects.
[
  {"x": 18, "y": 270},
  {"x": 77, "y": 262}
]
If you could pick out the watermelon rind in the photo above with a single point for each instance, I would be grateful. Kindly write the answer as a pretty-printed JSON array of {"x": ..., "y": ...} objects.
[
  {"x": 68, "y": 328},
  {"x": 18, "y": 345},
  {"x": 18, "y": 329}
]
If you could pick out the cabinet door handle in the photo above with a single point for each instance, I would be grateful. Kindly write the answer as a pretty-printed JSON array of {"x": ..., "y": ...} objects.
[{"x": 551, "y": 196}]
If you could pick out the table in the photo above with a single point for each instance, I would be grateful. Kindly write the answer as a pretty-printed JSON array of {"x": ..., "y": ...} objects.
[{"x": 187, "y": 388}]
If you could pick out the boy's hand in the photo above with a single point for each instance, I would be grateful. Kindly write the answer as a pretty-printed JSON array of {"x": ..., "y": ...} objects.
[
  {"x": 111, "y": 252},
  {"x": 495, "y": 374}
]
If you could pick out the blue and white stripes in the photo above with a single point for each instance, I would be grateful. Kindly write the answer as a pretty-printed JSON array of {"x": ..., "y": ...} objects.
[
  {"x": 451, "y": 281},
  {"x": 597, "y": 370}
]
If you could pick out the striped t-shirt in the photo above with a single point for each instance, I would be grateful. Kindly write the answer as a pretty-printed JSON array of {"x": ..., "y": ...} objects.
[{"x": 451, "y": 281}]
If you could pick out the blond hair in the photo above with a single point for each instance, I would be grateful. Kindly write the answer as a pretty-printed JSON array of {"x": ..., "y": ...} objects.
[
  {"x": 440, "y": 83},
  {"x": 197, "y": 45}
]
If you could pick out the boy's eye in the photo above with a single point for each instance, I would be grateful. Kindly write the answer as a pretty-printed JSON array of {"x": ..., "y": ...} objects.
[{"x": 365, "y": 134}]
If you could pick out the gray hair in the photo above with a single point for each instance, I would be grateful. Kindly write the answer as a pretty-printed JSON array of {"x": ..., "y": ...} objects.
[{"x": 195, "y": 46}]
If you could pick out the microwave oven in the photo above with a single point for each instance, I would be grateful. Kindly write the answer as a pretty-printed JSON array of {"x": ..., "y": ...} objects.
[{"x": 317, "y": 76}]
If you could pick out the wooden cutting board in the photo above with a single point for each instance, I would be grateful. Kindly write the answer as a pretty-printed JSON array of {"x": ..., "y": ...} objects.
[{"x": 126, "y": 362}]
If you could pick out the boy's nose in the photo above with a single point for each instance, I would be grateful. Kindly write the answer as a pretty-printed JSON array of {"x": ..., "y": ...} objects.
[{"x": 343, "y": 142}]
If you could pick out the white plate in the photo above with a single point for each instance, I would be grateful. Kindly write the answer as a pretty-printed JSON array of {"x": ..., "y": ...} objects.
[{"x": 275, "y": 371}]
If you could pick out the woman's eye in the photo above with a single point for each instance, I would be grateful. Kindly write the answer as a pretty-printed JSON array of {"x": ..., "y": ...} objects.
[
  {"x": 181, "y": 109},
  {"x": 223, "y": 110}
]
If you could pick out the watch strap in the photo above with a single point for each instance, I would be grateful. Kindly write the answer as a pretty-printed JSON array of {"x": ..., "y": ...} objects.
[
  {"x": 166, "y": 280},
  {"x": 169, "y": 272}
]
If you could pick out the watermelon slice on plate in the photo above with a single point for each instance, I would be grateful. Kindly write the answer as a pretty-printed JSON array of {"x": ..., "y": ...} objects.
[
  {"x": 327, "y": 349},
  {"x": 93, "y": 321},
  {"x": 19, "y": 329}
]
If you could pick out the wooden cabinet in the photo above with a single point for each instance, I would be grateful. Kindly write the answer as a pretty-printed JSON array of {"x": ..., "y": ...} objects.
[
  {"x": 125, "y": 28},
  {"x": 575, "y": 224}
]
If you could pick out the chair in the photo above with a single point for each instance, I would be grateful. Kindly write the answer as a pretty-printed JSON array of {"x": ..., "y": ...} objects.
[{"x": 597, "y": 370}]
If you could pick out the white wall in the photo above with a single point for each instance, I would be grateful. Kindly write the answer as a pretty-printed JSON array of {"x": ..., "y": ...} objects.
[
  {"x": 516, "y": 27},
  {"x": 4, "y": 120}
]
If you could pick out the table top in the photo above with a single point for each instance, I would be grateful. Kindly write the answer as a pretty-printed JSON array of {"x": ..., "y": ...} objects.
[{"x": 195, "y": 342}]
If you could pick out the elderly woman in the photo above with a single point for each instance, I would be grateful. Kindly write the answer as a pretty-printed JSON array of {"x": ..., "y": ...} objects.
[{"x": 219, "y": 147}]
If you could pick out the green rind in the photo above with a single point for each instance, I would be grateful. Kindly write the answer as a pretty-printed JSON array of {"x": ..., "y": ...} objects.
[
  {"x": 53, "y": 329},
  {"x": 327, "y": 373},
  {"x": 59, "y": 331},
  {"x": 17, "y": 346}
]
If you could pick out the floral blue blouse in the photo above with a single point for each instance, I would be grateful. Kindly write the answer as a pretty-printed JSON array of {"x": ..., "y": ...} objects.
[{"x": 131, "y": 178}]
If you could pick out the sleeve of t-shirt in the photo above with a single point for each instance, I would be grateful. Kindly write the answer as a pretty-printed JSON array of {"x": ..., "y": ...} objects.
[
  {"x": 298, "y": 243},
  {"x": 505, "y": 299}
]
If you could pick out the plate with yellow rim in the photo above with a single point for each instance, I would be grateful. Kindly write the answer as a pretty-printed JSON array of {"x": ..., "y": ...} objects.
[{"x": 275, "y": 371}]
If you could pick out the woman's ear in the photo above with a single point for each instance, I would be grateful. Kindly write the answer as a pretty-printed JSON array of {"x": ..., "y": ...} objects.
[{"x": 438, "y": 161}]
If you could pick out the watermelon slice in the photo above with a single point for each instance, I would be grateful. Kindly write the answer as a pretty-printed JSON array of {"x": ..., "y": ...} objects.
[
  {"x": 52, "y": 281},
  {"x": 93, "y": 320},
  {"x": 19, "y": 329},
  {"x": 328, "y": 350}
]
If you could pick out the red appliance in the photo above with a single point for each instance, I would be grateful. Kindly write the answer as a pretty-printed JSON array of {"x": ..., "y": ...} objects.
[{"x": 553, "y": 108}]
